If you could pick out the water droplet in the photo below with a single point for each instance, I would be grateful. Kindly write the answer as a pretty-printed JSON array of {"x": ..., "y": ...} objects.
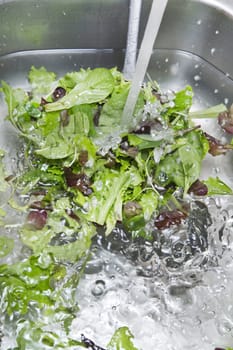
[
  {"x": 166, "y": 59},
  {"x": 212, "y": 51},
  {"x": 197, "y": 77},
  {"x": 199, "y": 21},
  {"x": 216, "y": 170},
  {"x": 216, "y": 91},
  {"x": 67, "y": 104},
  {"x": 174, "y": 68},
  {"x": 216, "y": 32},
  {"x": 226, "y": 100}
]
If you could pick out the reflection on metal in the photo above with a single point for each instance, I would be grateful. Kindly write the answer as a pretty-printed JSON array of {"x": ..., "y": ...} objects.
[{"x": 224, "y": 5}]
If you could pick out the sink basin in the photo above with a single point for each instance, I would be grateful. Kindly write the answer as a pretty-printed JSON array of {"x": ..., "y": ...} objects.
[
  {"x": 194, "y": 47},
  {"x": 93, "y": 33}
]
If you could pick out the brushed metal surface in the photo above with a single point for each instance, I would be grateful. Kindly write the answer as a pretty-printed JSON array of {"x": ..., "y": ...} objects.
[{"x": 201, "y": 27}]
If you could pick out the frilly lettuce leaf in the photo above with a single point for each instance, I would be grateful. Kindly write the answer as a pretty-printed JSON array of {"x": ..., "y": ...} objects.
[{"x": 42, "y": 82}]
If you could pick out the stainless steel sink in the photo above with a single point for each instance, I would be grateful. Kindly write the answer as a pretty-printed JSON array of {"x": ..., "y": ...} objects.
[
  {"x": 67, "y": 35},
  {"x": 194, "y": 47}
]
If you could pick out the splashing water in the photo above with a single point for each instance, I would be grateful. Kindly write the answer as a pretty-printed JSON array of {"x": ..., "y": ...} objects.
[{"x": 180, "y": 306}]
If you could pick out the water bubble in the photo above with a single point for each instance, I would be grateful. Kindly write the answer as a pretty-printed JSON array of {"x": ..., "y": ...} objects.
[
  {"x": 224, "y": 326},
  {"x": 163, "y": 177},
  {"x": 94, "y": 266},
  {"x": 99, "y": 185},
  {"x": 99, "y": 288},
  {"x": 67, "y": 104},
  {"x": 138, "y": 295},
  {"x": 216, "y": 170}
]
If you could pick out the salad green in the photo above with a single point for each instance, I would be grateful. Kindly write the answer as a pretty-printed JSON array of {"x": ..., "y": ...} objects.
[{"x": 82, "y": 173}]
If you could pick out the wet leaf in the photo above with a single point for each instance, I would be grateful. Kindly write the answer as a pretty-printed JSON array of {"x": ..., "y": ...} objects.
[{"x": 6, "y": 246}]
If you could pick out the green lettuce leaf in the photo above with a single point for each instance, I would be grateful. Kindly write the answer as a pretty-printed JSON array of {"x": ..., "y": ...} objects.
[
  {"x": 105, "y": 205},
  {"x": 182, "y": 167},
  {"x": 42, "y": 82},
  {"x": 6, "y": 246},
  {"x": 211, "y": 112},
  {"x": 122, "y": 340},
  {"x": 24, "y": 283},
  {"x": 75, "y": 246},
  {"x": 217, "y": 187},
  {"x": 32, "y": 336},
  {"x": 71, "y": 79},
  {"x": 15, "y": 99},
  {"x": 182, "y": 101},
  {"x": 3, "y": 183},
  {"x": 97, "y": 85}
]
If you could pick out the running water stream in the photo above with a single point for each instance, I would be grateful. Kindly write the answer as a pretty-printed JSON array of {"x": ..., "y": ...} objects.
[
  {"x": 132, "y": 39},
  {"x": 155, "y": 17}
]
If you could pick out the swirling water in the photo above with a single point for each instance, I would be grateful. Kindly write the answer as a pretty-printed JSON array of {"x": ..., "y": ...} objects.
[{"x": 186, "y": 304}]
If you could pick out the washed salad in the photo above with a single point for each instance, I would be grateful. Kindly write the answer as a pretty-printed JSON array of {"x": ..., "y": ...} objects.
[{"x": 83, "y": 174}]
